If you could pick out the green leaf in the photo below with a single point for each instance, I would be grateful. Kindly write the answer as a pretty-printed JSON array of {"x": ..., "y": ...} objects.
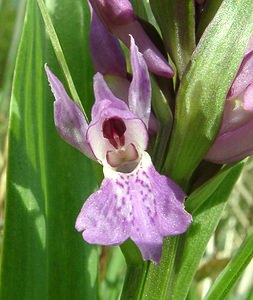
[
  {"x": 136, "y": 271},
  {"x": 209, "y": 12},
  {"x": 43, "y": 255},
  {"x": 58, "y": 52},
  {"x": 140, "y": 9},
  {"x": 114, "y": 267},
  {"x": 181, "y": 254},
  {"x": 212, "y": 198},
  {"x": 164, "y": 119},
  {"x": 176, "y": 21},
  {"x": 204, "y": 87},
  {"x": 229, "y": 276}
]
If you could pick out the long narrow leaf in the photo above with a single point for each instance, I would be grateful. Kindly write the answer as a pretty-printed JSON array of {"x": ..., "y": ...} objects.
[
  {"x": 227, "y": 279},
  {"x": 43, "y": 256},
  {"x": 176, "y": 21}
]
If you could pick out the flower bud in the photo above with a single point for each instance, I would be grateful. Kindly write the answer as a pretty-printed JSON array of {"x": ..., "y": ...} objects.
[
  {"x": 119, "y": 18},
  {"x": 235, "y": 138}
]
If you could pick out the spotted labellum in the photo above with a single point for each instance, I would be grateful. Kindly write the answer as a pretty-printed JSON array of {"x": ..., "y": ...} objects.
[{"x": 134, "y": 201}]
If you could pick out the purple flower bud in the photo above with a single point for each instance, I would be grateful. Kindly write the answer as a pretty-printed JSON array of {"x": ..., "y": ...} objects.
[
  {"x": 119, "y": 18},
  {"x": 235, "y": 138},
  {"x": 113, "y": 12},
  {"x": 107, "y": 55}
]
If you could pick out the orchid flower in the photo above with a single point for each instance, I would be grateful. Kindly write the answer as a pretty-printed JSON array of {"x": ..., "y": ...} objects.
[
  {"x": 119, "y": 18},
  {"x": 134, "y": 201},
  {"x": 235, "y": 138}
]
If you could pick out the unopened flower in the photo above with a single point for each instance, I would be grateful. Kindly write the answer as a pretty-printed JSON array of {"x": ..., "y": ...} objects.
[
  {"x": 107, "y": 55},
  {"x": 235, "y": 138},
  {"x": 134, "y": 200},
  {"x": 119, "y": 18},
  {"x": 108, "y": 59}
]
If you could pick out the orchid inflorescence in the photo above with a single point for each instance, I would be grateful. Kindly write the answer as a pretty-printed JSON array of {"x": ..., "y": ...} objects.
[{"x": 134, "y": 201}]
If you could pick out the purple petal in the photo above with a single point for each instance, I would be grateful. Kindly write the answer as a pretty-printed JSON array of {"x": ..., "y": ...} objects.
[
  {"x": 233, "y": 145},
  {"x": 103, "y": 93},
  {"x": 136, "y": 131},
  {"x": 235, "y": 138},
  {"x": 248, "y": 98},
  {"x": 156, "y": 63},
  {"x": 107, "y": 55},
  {"x": 69, "y": 119},
  {"x": 158, "y": 210},
  {"x": 142, "y": 205},
  {"x": 244, "y": 76},
  {"x": 113, "y": 12},
  {"x": 100, "y": 219},
  {"x": 108, "y": 106},
  {"x": 139, "y": 99}
]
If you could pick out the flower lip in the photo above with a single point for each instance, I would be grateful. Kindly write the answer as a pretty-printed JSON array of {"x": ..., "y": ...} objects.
[{"x": 142, "y": 205}]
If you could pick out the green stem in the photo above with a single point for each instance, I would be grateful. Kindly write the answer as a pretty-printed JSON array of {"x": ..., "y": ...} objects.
[
  {"x": 159, "y": 277},
  {"x": 134, "y": 281}
]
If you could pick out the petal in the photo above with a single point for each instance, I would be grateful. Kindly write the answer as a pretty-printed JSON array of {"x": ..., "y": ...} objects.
[
  {"x": 102, "y": 92},
  {"x": 139, "y": 99},
  {"x": 243, "y": 78},
  {"x": 69, "y": 119},
  {"x": 152, "y": 206},
  {"x": 113, "y": 12},
  {"x": 248, "y": 98},
  {"x": 235, "y": 138},
  {"x": 155, "y": 61},
  {"x": 100, "y": 219},
  {"x": 136, "y": 131},
  {"x": 233, "y": 145},
  {"x": 108, "y": 106},
  {"x": 107, "y": 55}
]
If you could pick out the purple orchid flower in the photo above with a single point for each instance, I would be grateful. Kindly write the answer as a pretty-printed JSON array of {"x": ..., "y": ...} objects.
[
  {"x": 235, "y": 138},
  {"x": 119, "y": 18},
  {"x": 134, "y": 201}
]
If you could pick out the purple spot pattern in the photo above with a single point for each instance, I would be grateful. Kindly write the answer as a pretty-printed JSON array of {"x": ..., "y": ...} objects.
[{"x": 142, "y": 205}]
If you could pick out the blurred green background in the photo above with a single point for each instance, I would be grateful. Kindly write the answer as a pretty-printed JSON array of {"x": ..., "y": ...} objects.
[{"x": 11, "y": 20}]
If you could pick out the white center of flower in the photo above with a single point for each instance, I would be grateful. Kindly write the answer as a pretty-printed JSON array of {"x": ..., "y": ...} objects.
[{"x": 122, "y": 156}]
